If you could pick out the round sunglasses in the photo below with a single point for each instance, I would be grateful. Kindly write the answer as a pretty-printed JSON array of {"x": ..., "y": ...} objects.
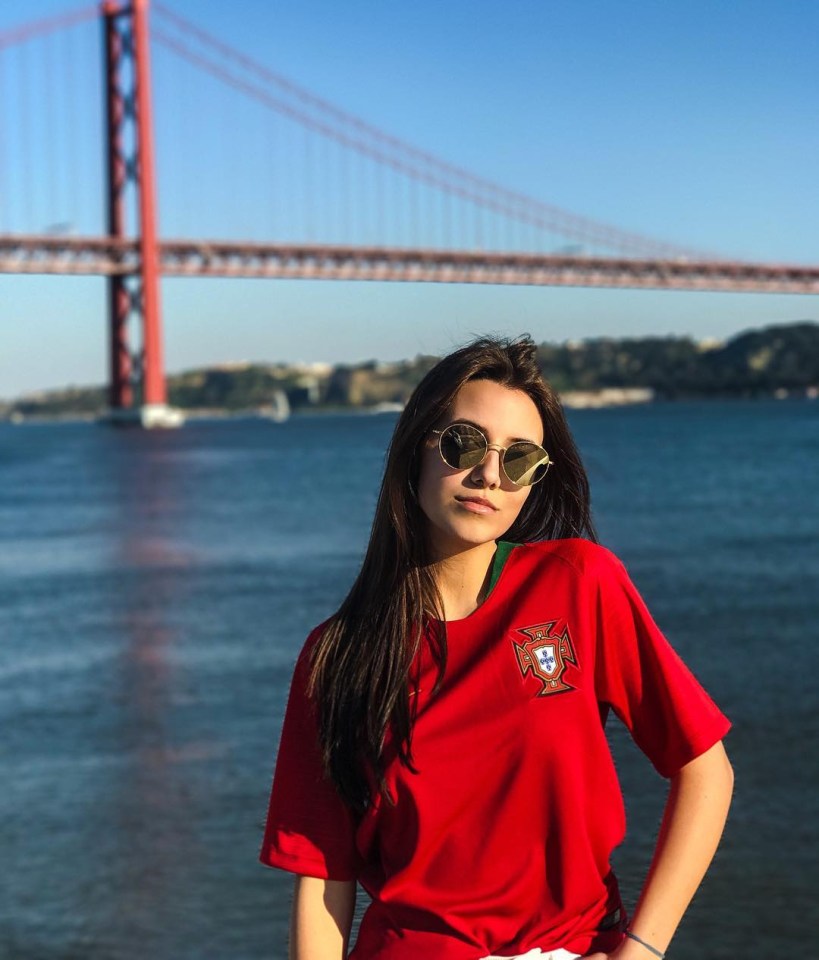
[{"x": 463, "y": 447}]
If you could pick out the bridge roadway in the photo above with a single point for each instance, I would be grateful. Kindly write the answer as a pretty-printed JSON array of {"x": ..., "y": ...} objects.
[{"x": 103, "y": 256}]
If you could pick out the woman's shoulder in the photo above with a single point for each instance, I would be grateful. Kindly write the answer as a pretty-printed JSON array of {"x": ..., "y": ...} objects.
[
  {"x": 312, "y": 640},
  {"x": 585, "y": 557}
]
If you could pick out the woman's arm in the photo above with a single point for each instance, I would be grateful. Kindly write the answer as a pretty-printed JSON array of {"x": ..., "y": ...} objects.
[
  {"x": 694, "y": 817},
  {"x": 321, "y": 918}
]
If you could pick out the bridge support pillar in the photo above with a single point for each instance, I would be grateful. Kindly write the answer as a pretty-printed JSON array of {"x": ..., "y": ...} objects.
[{"x": 137, "y": 393}]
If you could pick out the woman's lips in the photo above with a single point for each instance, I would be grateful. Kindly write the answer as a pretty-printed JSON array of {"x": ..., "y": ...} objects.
[{"x": 476, "y": 504}]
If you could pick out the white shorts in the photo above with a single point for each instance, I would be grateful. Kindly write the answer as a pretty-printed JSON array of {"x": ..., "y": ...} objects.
[{"x": 537, "y": 954}]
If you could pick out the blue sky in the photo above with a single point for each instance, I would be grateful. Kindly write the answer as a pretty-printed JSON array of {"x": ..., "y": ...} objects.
[{"x": 691, "y": 122}]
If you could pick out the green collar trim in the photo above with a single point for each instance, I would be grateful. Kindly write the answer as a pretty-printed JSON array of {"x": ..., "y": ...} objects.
[{"x": 502, "y": 552}]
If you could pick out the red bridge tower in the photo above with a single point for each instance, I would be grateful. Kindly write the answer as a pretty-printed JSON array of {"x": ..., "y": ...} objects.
[{"x": 137, "y": 377}]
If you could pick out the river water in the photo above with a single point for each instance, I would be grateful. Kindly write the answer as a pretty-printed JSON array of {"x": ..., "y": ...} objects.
[{"x": 156, "y": 587}]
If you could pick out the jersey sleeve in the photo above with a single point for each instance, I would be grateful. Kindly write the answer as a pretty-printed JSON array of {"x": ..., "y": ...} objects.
[
  {"x": 309, "y": 830},
  {"x": 642, "y": 678}
]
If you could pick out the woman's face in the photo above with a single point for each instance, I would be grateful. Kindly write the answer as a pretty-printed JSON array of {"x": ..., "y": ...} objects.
[{"x": 465, "y": 508}]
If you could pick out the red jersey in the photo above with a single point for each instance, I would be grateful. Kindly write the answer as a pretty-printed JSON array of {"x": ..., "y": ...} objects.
[{"x": 501, "y": 841}]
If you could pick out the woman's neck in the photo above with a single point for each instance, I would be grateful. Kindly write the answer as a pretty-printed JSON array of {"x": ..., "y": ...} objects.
[{"x": 463, "y": 579}]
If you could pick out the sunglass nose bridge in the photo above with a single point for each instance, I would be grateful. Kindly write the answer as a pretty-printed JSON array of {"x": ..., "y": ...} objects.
[{"x": 536, "y": 460}]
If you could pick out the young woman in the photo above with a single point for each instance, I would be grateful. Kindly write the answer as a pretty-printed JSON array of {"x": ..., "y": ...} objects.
[{"x": 444, "y": 740}]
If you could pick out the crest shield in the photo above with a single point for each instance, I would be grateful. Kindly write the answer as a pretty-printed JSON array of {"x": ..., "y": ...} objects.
[
  {"x": 545, "y": 654},
  {"x": 546, "y": 657}
]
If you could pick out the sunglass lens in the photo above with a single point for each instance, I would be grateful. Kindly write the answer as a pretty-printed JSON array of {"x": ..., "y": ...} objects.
[
  {"x": 525, "y": 463},
  {"x": 462, "y": 446}
]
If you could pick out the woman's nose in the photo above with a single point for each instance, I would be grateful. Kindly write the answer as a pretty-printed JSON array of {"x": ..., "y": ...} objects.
[{"x": 487, "y": 473}]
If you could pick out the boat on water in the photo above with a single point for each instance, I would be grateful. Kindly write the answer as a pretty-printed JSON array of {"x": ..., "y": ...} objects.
[{"x": 278, "y": 410}]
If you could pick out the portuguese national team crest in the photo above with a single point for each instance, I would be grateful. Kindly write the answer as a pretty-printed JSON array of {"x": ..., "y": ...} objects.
[{"x": 545, "y": 655}]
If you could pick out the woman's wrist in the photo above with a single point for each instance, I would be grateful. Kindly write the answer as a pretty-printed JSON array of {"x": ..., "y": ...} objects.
[{"x": 646, "y": 945}]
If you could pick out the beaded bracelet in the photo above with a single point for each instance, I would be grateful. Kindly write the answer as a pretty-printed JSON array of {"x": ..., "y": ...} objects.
[{"x": 654, "y": 950}]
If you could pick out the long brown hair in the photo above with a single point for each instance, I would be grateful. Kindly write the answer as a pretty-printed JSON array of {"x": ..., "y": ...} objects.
[{"x": 360, "y": 674}]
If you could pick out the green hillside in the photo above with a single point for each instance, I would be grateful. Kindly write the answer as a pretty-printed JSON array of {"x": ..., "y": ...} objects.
[{"x": 774, "y": 360}]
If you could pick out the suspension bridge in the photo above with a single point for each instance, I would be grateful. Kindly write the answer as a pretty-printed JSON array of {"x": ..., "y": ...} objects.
[{"x": 311, "y": 190}]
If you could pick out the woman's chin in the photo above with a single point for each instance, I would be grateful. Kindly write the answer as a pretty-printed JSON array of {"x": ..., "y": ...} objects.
[{"x": 460, "y": 537}]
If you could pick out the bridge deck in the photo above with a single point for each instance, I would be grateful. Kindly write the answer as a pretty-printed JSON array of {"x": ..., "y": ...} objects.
[{"x": 184, "y": 258}]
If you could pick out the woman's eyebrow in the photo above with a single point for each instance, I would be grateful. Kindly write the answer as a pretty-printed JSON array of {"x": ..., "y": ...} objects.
[{"x": 484, "y": 430}]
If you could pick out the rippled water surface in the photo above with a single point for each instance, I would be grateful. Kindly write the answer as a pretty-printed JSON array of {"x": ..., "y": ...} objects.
[{"x": 154, "y": 591}]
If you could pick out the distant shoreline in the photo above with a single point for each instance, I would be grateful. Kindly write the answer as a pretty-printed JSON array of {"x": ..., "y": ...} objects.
[
  {"x": 579, "y": 401},
  {"x": 778, "y": 362}
]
